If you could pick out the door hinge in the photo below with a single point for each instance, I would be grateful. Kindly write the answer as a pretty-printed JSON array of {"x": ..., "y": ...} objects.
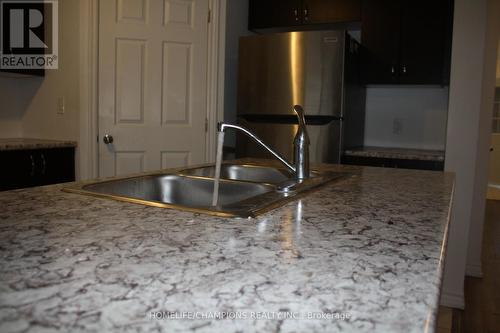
[
  {"x": 209, "y": 18},
  {"x": 206, "y": 125},
  {"x": 98, "y": 139}
]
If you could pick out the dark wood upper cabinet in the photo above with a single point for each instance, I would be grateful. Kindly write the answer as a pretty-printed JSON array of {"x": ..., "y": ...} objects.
[
  {"x": 276, "y": 13},
  {"x": 331, "y": 11},
  {"x": 406, "y": 41},
  {"x": 425, "y": 42},
  {"x": 403, "y": 41},
  {"x": 301, "y": 13},
  {"x": 380, "y": 21}
]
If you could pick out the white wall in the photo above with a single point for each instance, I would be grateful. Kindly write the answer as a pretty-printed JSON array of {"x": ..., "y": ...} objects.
[
  {"x": 498, "y": 64},
  {"x": 469, "y": 124},
  {"x": 10, "y": 128},
  {"x": 40, "y": 118},
  {"x": 406, "y": 117},
  {"x": 15, "y": 96},
  {"x": 29, "y": 105},
  {"x": 236, "y": 26}
]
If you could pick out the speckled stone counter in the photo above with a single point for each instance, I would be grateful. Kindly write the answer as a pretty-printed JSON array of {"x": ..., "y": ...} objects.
[
  {"x": 397, "y": 153},
  {"x": 26, "y": 143},
  {"x": 364, "y": 254}
]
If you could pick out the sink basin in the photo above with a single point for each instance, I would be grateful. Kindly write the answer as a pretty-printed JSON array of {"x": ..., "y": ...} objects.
[
  {"x": 179, "y": 190},
  {"x": 244, "y": 191},
  {"x": 250, "y": 173}
]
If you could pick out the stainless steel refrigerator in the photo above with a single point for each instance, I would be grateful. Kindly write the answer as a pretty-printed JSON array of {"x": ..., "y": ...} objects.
[{"x": 316, "y": 69}]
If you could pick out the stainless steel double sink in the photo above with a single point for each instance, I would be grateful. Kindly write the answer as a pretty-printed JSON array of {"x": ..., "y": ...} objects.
[{"x": 245, "y": 190}]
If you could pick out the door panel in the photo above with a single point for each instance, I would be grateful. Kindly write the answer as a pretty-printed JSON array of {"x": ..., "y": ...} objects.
[
  {"x": 178, "y": 12},
  {"x": 173, "y": 159},
  {"x": 176, "y": 83},
  {"x": 128, "y": 162},
  {"x": 129, "y": 81},
  {"x": 132, "y": 11},
  {"x": 152, "y": 84}
]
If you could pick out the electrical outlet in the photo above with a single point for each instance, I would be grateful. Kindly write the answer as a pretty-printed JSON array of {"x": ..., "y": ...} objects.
[
  {"x": 397, "y": 126},
  {"x": 61, "y": 105}
]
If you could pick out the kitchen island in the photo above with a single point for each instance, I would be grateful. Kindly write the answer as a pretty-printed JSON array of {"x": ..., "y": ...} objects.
[{"x": 363, "y": 254}]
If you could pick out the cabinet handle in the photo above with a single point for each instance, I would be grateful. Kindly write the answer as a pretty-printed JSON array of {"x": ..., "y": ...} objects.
[
  {"x": 306, "y": 14},
  {"x": 44, "y": 164},
  {"x": 393, "y": 70},
  {"x": 404, "y": 69},
  {"x": 32, "y": 172}
]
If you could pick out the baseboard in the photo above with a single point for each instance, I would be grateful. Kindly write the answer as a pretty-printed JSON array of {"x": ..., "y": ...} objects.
[
  {"x": 452, "y": 300},
  {"x": 474, "y": 270}
]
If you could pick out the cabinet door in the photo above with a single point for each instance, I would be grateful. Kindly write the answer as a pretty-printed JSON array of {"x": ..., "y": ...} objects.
[
  {"x": 27, "y": 168},
  {"x": 380, "y": 41},
  {"x": 274, "y": 13},
  {"x": 331, "y": 11},
  {"x": 423, "y": 45},
  {"x": 17, "y": 169},
  {"x": 56, "y": 165}
]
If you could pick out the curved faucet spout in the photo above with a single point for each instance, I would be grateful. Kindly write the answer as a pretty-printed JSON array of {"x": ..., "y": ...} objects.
[
  {"x": 221, "y": 127},
  {"x": 300, "y": 145}
]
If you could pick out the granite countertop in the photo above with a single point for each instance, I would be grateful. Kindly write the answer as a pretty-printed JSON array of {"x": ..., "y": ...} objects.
[
  {"x": 26, "y": 143},
  {"x": 364, "y": 254},
  {"x": 397, "y": 153}
]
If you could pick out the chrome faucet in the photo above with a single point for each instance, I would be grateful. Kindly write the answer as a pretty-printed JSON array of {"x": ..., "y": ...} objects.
[{"x": 300, "y": 167}]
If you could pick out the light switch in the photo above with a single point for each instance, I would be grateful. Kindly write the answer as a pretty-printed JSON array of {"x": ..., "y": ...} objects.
[
  {"x": 61, "y": 105},
  {"x": 397, "y": 126}
]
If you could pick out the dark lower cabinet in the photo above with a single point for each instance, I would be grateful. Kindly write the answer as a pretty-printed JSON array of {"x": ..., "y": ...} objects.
[
  {"x": 27, "y": 168},
  {"x": 393, "y": 163}
]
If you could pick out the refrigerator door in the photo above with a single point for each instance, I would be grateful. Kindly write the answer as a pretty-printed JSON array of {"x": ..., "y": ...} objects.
[
  {"x": 277, "y": 71},
  {"x": 324, "y": 146}
]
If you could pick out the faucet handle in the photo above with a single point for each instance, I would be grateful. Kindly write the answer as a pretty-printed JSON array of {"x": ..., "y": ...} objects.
[
  {"x": 300, "y": 115},
  {"x": 301, "y": 146}
]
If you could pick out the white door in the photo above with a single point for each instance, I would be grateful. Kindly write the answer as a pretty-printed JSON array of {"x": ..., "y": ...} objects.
[
  {"x": 494, "y": 178},
  {"x": 152, "y": 84}
]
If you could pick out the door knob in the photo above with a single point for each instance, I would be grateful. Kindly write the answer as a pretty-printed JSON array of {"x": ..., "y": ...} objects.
[{"x": 107, "y": 139}]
